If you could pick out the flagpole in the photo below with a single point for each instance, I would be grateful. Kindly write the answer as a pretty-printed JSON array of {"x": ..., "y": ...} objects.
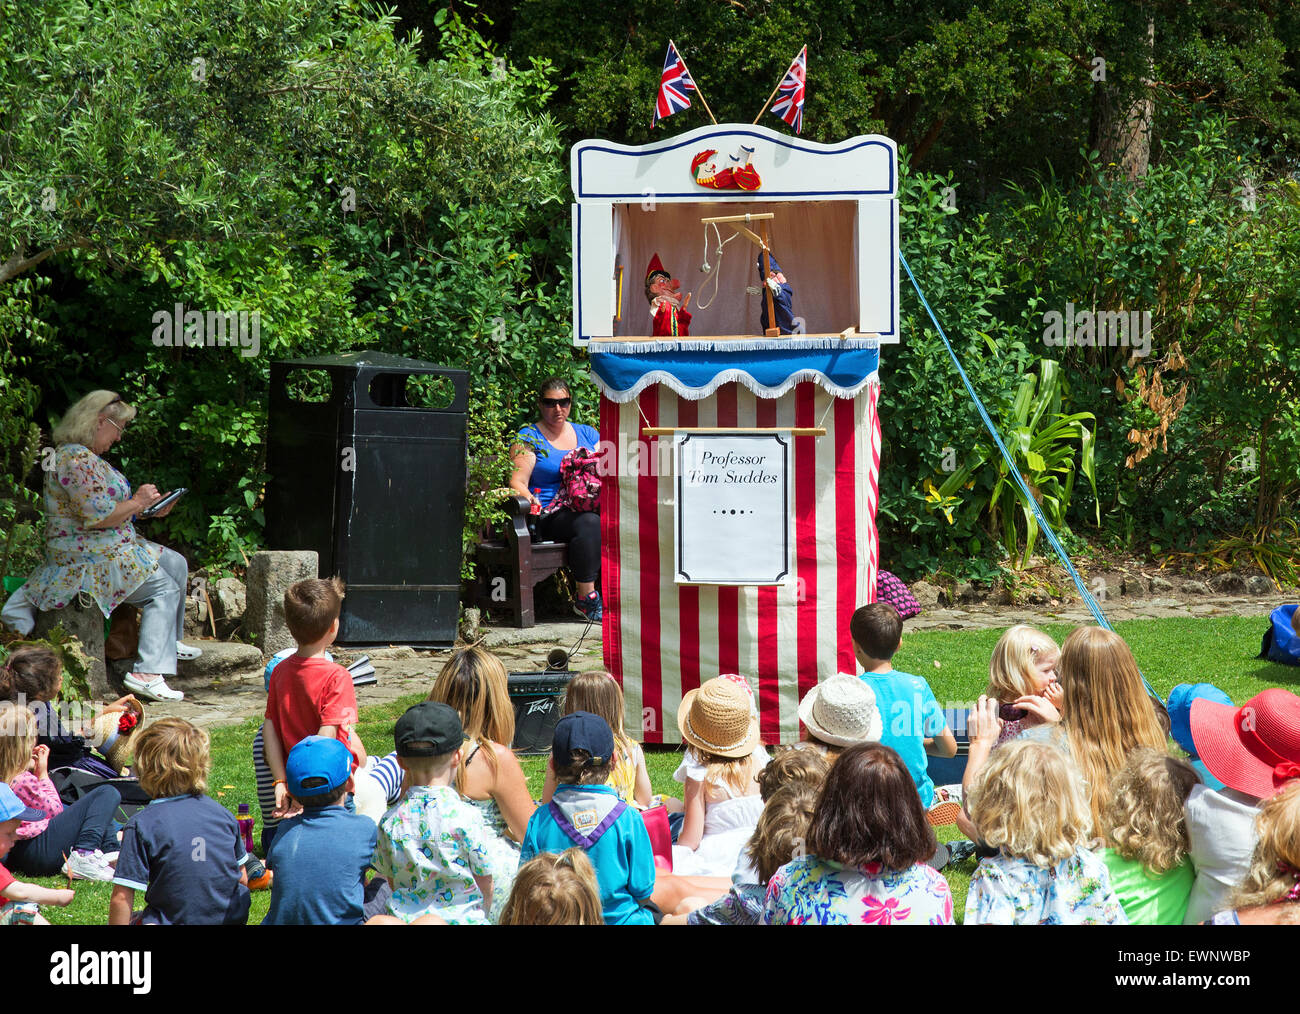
[
  {"x": 769, "y": 100},
  {"x": 699, "y": 91}
]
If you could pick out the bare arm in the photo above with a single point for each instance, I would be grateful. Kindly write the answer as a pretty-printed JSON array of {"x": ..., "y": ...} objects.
[
  {"x": 510, "y": 790},
  {"x": 273, "y": 754},
  {"x": 524, "y": 460},
  {"x": 984, "y": 727},
  {"x": 693, "y": 826},
  {"x": 548, "y": 785},
  {"x": 485, "y": 885},
  {"x": 644, "y": 791},
  {"x": 942, "y": 745},
  {"x": 120, "y": 905},
  {"x": 19, "y": 891}
]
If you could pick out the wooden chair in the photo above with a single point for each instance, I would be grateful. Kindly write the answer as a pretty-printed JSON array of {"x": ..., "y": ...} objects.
[{"x": 510, "y": 564}]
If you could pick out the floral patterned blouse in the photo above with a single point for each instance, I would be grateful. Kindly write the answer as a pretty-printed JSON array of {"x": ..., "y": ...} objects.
[
  {"x": 1007, "y": 891},
  {"x": 108, "y": 564},
  {"x": 432, "y": 845},
  {"x": 812, "y": 891}
]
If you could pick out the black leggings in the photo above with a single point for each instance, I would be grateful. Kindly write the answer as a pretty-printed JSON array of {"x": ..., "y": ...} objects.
[
  {"x": 86, "y": 824},
  {"x": 581, "y": 530}
]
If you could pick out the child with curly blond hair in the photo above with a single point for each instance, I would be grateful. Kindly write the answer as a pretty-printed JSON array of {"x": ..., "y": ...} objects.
[
  {"x": 1270, "y": 894},
  {"x": 1029, "y": 803},
  {"x": 1146, "y": 837}
]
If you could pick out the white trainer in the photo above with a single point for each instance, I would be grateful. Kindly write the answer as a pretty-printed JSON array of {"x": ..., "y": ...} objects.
[
  {"x": 155, "y": 689},
  {"x": 186, "y": 652},
  {"x": 87, "y": 866}
]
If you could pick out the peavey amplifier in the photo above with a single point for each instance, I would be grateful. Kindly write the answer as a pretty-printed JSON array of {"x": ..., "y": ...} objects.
[{"x": 537, "y": 697}]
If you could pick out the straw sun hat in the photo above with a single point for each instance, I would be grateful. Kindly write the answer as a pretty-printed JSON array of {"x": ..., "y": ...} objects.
[
  {"x": 717, "y": 718},
  {"x": 116, "y": 746},
  {"x": 842, "y": 711}
]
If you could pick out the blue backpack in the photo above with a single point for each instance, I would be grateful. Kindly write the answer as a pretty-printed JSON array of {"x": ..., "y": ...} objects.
[{"x": 1281, "y": 642}]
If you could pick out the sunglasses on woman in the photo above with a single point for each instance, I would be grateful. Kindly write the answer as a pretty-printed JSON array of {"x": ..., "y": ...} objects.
[{"x": 557, "y": 402}]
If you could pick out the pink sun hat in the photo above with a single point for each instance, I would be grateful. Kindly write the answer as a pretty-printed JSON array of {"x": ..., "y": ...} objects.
[{"x": 1254, "y": 749}]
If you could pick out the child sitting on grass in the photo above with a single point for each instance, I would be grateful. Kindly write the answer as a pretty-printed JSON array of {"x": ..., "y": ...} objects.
[
  {"x": 433, "y": 846},
  {"x": 913, "y": 721},
  {"x": 588, "y": 813},
  {"x": 1022, "y": 667},
  {"x": 20, "y": 899},
  {"x": 597, "y": 692},
  {"x": 719, "y": 773},
  {"x": 552, "y": 890},
  {"x": 184, "y": 849},
  {"x": 1029, "y": 803},
  {"x": 1146, "y": 837},
  {"x": 867, "y": 846},
  {"x": 321, "y": 855}
]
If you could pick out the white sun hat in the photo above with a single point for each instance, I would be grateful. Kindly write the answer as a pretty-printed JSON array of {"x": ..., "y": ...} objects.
[{"x": 842, "y": 711}]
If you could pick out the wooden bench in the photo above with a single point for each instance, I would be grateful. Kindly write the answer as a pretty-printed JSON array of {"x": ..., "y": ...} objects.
[{"x": 511, "y": 564}]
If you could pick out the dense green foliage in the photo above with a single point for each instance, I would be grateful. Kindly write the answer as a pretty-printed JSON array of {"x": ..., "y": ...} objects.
[{"x": 397, "y": 181}]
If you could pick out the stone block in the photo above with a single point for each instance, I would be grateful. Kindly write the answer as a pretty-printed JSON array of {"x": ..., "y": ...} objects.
[
  {"x": 86, "y": 624},
  {"x": 270, "y": 573}
]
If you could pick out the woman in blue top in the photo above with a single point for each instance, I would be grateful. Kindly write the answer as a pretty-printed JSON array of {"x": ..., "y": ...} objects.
[{"x": 537, "y": 468}]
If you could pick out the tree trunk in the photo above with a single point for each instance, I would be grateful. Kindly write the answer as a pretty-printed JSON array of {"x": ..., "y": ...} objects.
[{"x": 1120, "y": 130}]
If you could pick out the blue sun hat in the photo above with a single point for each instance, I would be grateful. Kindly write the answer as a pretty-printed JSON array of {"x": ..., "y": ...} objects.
[{"x": 1180, "y": 712}]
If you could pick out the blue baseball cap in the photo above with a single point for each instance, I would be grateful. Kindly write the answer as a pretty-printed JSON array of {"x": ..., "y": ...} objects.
[
  {"x": 11, "y": 806},
  {"x": 316, "y": 767},
  {"x": 583, "y": 731},
  {"x": 1180, "y": 710}
]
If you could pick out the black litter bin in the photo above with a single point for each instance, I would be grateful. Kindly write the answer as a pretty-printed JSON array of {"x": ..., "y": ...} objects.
[{"x": 372, "y": 478}]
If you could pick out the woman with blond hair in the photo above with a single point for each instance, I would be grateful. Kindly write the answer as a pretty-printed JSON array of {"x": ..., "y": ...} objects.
[
  {"x": 474, "y": 683},
  {"x": 92, "y": 549}
]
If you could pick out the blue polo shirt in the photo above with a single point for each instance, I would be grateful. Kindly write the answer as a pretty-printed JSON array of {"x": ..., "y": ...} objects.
[
  {"x": 185, "y": 852},
  {"x": 910, "y": 715},
  {"x": 319, "y": 858},
  {"x": 623, "y": 857}
]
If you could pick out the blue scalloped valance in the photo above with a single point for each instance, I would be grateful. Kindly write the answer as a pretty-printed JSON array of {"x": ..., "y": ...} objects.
[{"x": 769, "y": 367}]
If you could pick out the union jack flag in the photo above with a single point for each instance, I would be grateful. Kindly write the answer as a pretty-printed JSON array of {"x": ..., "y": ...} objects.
[
  {"x": 673, "y": 86},
  {"x": 789, "y": 103}
]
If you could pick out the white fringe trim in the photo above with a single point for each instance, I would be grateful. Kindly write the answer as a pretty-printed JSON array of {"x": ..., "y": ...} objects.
[
  {"x": 733, "y": 376},
  {"x": 596, "y": 345}
]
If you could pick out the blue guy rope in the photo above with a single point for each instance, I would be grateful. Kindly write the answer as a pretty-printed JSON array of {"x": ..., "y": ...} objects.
[{"x": 1028, "y": 497}]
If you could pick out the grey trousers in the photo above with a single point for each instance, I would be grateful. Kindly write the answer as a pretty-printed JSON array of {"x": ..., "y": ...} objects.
[{"x": 161, "y": 599}]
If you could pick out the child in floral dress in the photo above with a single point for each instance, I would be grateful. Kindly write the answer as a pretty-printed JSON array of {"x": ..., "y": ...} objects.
[
  {"x": 867, "y": 845},
  {"x": 1030, "y": 804},
  {"x": 433, "y": 846}
]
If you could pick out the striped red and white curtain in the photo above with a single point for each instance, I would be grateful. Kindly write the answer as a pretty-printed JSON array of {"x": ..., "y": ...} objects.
[{"x": 662, "y": 639}]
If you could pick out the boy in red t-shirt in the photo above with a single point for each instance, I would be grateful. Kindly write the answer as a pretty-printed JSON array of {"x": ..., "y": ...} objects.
[{"x": 309, "y": 695}]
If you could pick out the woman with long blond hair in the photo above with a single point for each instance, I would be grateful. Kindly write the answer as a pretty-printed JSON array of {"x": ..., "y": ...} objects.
[
  {"x": 92, "y": 549},
  {"x": 474, "y": 682}
]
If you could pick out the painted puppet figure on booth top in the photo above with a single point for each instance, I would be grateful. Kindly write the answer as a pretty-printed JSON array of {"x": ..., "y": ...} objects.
[
  {"x": 737, "y": 174},
  {"x": 671, "y": 319}
]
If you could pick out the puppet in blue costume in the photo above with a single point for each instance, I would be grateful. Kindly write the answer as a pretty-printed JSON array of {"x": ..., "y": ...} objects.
[{"x": 782, "y": 297}]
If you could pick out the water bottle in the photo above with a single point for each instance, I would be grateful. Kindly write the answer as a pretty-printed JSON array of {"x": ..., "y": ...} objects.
[{"x": 245, "y": 821}]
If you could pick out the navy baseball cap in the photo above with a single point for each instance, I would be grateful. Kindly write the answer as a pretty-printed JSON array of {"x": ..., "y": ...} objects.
[
  {"x": 430, "y": 722},
  {"x": 1180, "y": 710},
  {"x": 11, "y": 806},
  {"x": 317, "y": 766},
  {"x": 583, "y": 731}
]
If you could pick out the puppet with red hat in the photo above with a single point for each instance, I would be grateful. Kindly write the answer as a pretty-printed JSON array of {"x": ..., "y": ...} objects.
[{"x": 671, "y": 319}]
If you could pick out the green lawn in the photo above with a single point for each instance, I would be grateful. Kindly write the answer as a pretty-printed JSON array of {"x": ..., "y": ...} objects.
[{"x": 1170, "y": 651}]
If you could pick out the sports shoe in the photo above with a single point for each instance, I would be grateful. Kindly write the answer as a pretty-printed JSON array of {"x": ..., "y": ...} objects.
[
  {"x": 259, "y": 877},
  {"x": 589, "y": 608},
  {"x": 87, "y": 866},
  {"x": 186, "y": 653},
  {"x": 155, "y": 689}
]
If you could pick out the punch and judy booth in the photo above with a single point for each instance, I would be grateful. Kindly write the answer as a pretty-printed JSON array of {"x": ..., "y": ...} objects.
[{"x": 734, "y": 287}]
